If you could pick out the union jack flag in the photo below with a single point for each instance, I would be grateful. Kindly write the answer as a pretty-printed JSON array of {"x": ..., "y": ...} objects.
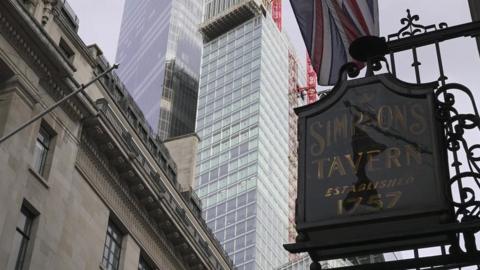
[{"x": 329, "y": 27}]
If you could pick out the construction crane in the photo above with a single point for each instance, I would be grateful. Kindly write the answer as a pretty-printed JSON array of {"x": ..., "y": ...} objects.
[
  {"x": 311, "y": 88},
  {"x": 277, "y": 12}
]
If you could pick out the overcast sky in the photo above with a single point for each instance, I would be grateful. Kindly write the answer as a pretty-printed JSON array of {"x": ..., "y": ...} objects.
[{"x": 100, "y": 23}]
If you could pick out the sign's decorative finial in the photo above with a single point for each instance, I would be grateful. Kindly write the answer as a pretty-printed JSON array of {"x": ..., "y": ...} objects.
[{"x": 367, "y": 48}]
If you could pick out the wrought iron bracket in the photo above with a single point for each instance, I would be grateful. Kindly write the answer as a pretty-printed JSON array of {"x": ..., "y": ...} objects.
[{"x": 456, "y": 121}]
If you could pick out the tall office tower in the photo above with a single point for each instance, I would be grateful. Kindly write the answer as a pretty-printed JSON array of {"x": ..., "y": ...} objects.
[
  {"x": 303, "y": 261},
  {"x": 159, "y": 51},
  {"x": 243, "y": 123}
]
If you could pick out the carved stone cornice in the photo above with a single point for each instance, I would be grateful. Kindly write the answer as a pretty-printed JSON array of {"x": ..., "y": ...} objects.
[
  {"x": 113, "y": 152},
  {"x": 93, "y": 165},
  {"x": 195, "y": 225},
  {"x": 34, "y": 45}
]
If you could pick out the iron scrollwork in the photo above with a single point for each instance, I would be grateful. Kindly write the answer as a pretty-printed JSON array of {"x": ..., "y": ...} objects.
[
  {"x": 466, "y": 167},
  {"x": 457, "y": 112},
  {"x": 464, "y": 158}
]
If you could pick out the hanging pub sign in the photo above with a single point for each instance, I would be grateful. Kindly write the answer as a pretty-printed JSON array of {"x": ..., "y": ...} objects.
[{"x": 372, "y": 169}]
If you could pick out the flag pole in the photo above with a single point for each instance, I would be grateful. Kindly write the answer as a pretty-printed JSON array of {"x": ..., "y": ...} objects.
[{"x": 81, "y": 89}]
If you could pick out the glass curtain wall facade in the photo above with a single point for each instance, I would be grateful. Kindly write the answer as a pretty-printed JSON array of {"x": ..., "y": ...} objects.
[
  {"x": 303, "y": 263},
  {"x": 242, "y": 121},
  {"x": 159, "y": 51}
]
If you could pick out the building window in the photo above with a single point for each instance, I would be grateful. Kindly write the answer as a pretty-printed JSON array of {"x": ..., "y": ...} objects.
[
  {"x": 113, "y": 245},
  {"x": 144, "y": 265},
  {"x": 66, "y": 50},
  {"x": 22, "y": 237},
  {"x": 42, "y": 147}
]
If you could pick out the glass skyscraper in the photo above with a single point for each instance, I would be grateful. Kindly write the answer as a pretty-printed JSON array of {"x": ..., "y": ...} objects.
[
  {"x": 159, "y": 51},
  {"x": 243, "y": 124}
]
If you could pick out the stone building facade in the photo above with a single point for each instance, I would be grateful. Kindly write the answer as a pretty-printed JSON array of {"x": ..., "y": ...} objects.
[{"x": 88, "y": 186}]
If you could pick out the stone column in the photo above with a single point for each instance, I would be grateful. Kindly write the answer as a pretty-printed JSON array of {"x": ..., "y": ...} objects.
[{"x": 130, "y": 254}]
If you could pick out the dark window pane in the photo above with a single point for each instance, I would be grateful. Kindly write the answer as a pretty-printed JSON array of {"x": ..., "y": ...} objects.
[
  {"x": 210, "y": 213},
  {"x": 112, "y": 247},
  {"x": 229, "y": 247},
  {"x": 251, "y": 209},
  {"x": 234, "y": 152},
  {"x": 211, "y": 225},
  {"x": 44, "y": 137},
  {"x": 223, "y": 170},
  {"x": 221, "y": 223},
  {"x": 143, "y": 265},
  {"x": 242, "y": 200},
  {"x": 239, "y": 257},
  {"x": 41, "y": 151},
  {"x": 250, "y": 239},
  {"x": 250, "y": 224},
  {"x": 243, "y": 148},
  {"x": 220, "y": 235},
  {"x": 230, "y": 232},
  {"x": 22, "y": 237},
  {"x": 252, "y": 195},
  {"x": 240, "y": 228},
  {"x": 231, "y": 204},
  {"x": 241, "y": 213},
  {"x": 250, "y": 266},
  {"x": 221, "y": 208},
  {"x": 213, "y": 174},
  {"x": 231, "y": 218},
  {"x": 249, "y": 254},
  {"x": 240, "y": 243},
  {"x": 203, "y": 179}
]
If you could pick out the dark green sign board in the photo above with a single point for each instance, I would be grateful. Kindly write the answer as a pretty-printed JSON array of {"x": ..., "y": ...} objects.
[{"x": 372, "y": 165}]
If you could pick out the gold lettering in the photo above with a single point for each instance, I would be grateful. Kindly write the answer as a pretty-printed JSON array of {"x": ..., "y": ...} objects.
[
  {"x": 358, "y": 116},
  {"x": 317, "y": 148},
  {"x": 354, "y": 164},
  {"x": 400, "y": 117},
  {"x": 345, "y": 188},
  {"x": 392, "y": 157},
  {"x": 336, "y": 166},
  {"x": 371, "y": 158},
  {"x": 421, "y": 124},
  {"x": 361, "y": 188},
  {"x": 340, "y": 127},
  {"x": 320, "y": 167},
  {"x": 391, "y": 183},
  {"x": 385, "y": 117},
  {"x": 412, "y": 151},
  {"x": 394, "y": 197},
  {"x": 382, "y": 184}
]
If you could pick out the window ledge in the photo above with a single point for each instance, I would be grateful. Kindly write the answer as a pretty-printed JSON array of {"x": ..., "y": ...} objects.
[{"x": 39, "y": 177}]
